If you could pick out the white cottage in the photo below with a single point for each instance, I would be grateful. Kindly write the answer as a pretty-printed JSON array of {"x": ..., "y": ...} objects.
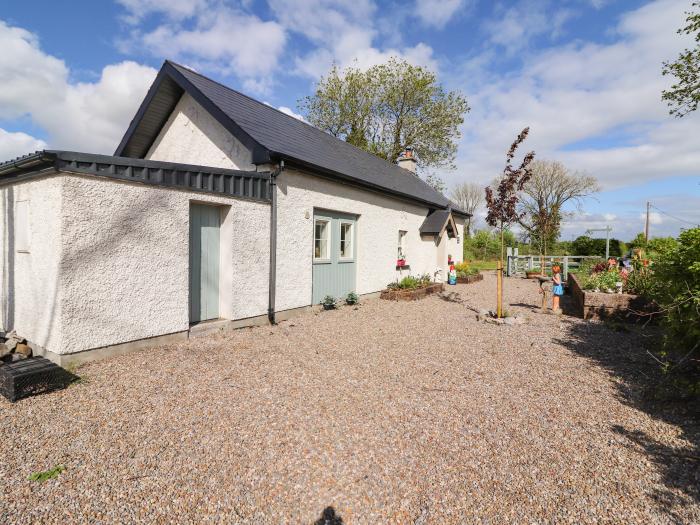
[{"x": 215, "y": 211}]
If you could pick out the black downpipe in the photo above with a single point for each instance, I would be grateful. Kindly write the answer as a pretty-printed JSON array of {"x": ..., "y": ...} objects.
[{"x": 273, "y": 242}]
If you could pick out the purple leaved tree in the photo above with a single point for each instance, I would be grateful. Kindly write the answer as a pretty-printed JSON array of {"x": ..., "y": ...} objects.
[{"x": 502, "y": 201}]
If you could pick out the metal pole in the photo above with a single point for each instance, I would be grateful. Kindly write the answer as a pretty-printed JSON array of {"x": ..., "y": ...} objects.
[{"x": 607, "y": 243}]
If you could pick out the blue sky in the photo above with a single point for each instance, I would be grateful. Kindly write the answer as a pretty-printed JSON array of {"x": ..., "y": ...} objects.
[{"x": 583, "y": 74}]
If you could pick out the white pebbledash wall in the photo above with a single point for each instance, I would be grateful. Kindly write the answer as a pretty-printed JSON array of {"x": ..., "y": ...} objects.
[
  {"x": 192, "y": 136},
  {"x": 379, "y": 220},
  {"x": 109, "y": 264},
  {"x": 31, "y": 296}
]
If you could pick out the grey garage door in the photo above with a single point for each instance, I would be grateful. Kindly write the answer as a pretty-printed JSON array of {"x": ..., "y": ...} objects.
[
  {"x": 204, "y": 262},
  {"x": 334, "y": 254}
]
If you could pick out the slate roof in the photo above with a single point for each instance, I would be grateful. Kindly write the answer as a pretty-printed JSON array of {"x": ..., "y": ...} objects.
[
  {"x": 271, "y": 135},
  {"x": 433, "y": 223}
]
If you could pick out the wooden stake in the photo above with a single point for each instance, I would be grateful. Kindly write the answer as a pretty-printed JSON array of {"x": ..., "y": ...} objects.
[{"x": 499, "y": 290}]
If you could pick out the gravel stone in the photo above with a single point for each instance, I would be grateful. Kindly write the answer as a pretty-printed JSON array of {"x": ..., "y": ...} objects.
[{"x": 388, "y": 412}]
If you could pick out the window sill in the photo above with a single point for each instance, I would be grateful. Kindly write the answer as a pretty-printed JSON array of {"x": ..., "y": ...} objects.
[{"x": 404, "y": 267}]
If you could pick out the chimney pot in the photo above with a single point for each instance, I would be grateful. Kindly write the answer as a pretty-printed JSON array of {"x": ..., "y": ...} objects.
[{"x": 407, "y": 161}]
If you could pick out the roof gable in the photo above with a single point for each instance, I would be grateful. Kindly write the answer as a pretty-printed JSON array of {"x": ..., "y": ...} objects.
[
  {"x": 436, "y": 222},
  {"x": 271, "y": 135}
]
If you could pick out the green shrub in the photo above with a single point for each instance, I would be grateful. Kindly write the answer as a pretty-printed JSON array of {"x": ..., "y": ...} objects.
[
  {"x": 677, "y": 276},
  {"x": 352, "y": 298},
  {"x": 329, "y": 302}
]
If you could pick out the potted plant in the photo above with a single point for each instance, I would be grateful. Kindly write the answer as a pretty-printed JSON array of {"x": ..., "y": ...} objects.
[
  {"x": 352, "y": 298},
  {"x": 329, "y": 302},
  {"x": 401, "y": 261}
]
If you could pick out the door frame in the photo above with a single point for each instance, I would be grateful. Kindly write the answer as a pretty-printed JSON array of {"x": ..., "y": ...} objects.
[
  {"x": 334, "y": 217},
  {"x": 222, "y": 264}
]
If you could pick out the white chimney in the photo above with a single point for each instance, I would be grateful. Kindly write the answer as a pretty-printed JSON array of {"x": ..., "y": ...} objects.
[{"x": 407, "y": 161}]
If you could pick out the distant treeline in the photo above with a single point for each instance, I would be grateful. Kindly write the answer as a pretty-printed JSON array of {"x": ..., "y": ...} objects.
[{"x": 485, "y": 245}]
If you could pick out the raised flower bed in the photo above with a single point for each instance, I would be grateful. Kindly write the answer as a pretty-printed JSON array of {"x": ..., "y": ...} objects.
[
  {"x": 411, "y": 294},
  {"x": 411, "y": 288},
  {"x": 468, "y": 279},
  {"x": 600, "y": 305}
]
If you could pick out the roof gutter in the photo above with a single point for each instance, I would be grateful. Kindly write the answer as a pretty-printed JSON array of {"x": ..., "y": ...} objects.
[
  {"x": 28, "y": 161},
  {"x": 272, "y": 286}
]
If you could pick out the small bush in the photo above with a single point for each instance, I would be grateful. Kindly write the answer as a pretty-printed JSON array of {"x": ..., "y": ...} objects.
[
  {"x": 352, "y": 298},
  {"x": 464, "y": 269},
  {"x": 329, "y": 302}
]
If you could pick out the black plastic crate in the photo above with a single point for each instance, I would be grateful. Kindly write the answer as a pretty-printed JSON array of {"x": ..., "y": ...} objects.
[{"x": 32, "y": 376}]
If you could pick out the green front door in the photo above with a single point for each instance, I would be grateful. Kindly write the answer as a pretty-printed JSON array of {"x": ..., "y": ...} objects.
[
  {"x": 204, "y": 262},
  {"x": 334, "y": 254}
]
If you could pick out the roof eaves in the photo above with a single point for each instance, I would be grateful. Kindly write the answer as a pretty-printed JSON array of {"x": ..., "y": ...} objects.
[
  {"x": 27, "y": 162},
  {"x": 249, "y": 185}
]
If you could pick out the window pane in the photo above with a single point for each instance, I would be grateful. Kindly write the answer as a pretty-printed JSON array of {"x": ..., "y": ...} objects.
[
  {"x": 402, "y": 243},
  {"x": 346, "y": 240},
  {"x": 321, "y": 240}
]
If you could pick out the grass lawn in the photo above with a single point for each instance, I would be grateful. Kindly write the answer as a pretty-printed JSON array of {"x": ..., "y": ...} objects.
[{"x": 482, "y": 265}]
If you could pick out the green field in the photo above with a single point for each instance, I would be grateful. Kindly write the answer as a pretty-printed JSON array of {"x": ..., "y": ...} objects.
[{"x": 482, "y": 265}]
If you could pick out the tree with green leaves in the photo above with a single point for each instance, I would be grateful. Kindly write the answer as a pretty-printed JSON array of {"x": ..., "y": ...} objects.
[
  {"x": 387, "y": 108},
  {"x": 684, "y": 95}
]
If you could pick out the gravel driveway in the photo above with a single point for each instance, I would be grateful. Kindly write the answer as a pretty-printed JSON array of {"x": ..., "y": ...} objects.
[{"x": 388, "y": 412}]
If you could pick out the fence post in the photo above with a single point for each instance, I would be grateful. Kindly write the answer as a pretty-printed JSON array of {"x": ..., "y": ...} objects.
[
  {"x": 529, "y": 263},
  {"x": 566, "y": 267}
]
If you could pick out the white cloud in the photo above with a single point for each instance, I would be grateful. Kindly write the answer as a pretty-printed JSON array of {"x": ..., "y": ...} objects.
[
  {"x": 174, "y": 9},
  {"x": 16, "y": 144},
  {"x": 89, "y": 116},
  {"x": 342, "y": 32},
  {"x": 514, "y": 26},
  {"x": 212, "y": 35},
  {"x": 581, "y": 91},
  {"x": 291, "y": 113},
  {"x": 437, "y": 13}
]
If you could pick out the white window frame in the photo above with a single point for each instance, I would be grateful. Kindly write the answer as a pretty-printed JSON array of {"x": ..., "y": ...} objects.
[
  {"x": 351, "y": 257},
  {"x": 401, "y": 252},
  {"x": 327, "y": 256},
  {"x": 22, "y": 231}
]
